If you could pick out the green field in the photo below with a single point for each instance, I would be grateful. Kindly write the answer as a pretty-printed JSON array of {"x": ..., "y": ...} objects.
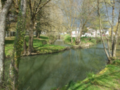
[{"x": 40, "y": 45}]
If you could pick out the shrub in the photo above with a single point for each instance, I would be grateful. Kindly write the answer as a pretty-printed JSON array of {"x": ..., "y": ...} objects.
[
  {"x": 67, "y": 38},
  {"x": 93, "y": 40},
  {"x": 52, "y": 39}
]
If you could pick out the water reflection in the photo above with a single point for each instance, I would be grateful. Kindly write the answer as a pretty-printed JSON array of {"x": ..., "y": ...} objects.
[{"x": 44, "y": 72}]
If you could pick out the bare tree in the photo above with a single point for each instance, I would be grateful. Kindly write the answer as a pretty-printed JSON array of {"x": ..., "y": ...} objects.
[
  {"x": 100, "y": 28},
  {"x": 70, "y": 13},
  {"x": 79, "y": 12},
  {"x": 86, "y": 14},
  {"x": 116, "y": 36},
  {"x": 113, "y": 42}
]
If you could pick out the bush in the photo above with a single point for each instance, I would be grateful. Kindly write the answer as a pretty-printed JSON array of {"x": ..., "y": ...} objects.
[
  {"x": 52, "y": 39},
  {"x": 67, "y": 38},
  {"x": 93, "y": 40}
]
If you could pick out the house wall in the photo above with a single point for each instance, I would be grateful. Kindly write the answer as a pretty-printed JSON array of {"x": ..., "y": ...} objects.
[{"x": 74, "y": 33}]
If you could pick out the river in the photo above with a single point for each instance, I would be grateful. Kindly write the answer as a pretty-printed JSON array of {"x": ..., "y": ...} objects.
[{"x": 44, "y": 72}]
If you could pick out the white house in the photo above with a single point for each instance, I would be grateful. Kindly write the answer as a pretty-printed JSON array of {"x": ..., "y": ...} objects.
[
  {"x": 87, "y": 35},
  {"x": 91, "y": 33},
  {"x": 75, "y": 33},
  {"x": 107, "y": 33}
]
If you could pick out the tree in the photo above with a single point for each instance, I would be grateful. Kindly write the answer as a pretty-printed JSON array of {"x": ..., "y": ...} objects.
[
  {"x": 112, "y": 38},
  {"x": 3, "y": 14},
  {"x": 113, "y": 30},
  {"x": 18, "y": 46},
  {"x": 100, "y": 27},
  {"x": 80, "y": 13},
  {"x": 42, "y": 20},
  {"x": 35, "y": 6},
  {"x": 56, "y": 18},
  {"x": 70, "y": 14},
  {"x": 116, "y": 36},
  {"x": 49, "y": 20}
]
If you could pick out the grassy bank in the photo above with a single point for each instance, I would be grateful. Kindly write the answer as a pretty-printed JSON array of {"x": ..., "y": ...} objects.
[
  {"x": 107, "y": 79},
  {"x": 84, "y": 40},
  {"x": 67, "y": 39},
  {"x": 40, "y": 45}
]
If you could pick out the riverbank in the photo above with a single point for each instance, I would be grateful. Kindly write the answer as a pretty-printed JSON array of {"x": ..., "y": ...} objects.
[
  {"x": 48, "y": 49},
  {"x": 41, "y": 46},
  {"x": 107, "y": 79},
  {"x": 86, "y": 42}
]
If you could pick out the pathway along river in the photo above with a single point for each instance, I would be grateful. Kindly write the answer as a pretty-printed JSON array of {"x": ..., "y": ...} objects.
[{"x": 44, "y": 72}]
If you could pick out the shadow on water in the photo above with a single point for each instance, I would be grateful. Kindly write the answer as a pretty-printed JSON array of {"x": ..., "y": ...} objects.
[{"x": 44, "y": 72}]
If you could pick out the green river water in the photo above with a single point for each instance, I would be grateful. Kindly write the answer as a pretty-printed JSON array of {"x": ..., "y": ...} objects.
[{"x": 44, "y": 72}]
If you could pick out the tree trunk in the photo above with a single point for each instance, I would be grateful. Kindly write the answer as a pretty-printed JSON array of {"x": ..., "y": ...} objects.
[
  {"x": 3, "y": 15},
  {"x": 116, "y": 36},
  {"x": 23, "y": 9},
  {"x": 82, "y": 30},
  {"x": 108, "y": 47},
  {"x": 0, "y": 6},
  {"x": 83, "y": 26},
  {"x": 36, "y": 33},
  {"x": 112, "y": 36},
  {"x": 71, "y": 37},
  {"x": 30, "y": 47},
  {"x": 24, "y": 48},
  {"x": 20, "y": 32},
  {"x": 39, "y": 34},
  {"x": 109, "y": 59},
  {"x": 110, "y": 43},
  {"x": 80, "y": 35},
  {"x": 9, "y": 34}
]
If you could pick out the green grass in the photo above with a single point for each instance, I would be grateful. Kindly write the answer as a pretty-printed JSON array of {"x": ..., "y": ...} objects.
[
  {"x": 49, "y": 49},
  {"x": 9, "y": 46},
  {"x": 37, "y": 44},
  {"x": 88, "y": 40},
  {"x": 84, "y": 40},
  {"x": 67, "y": 39},
  {"x": 107, "y": 79}
]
